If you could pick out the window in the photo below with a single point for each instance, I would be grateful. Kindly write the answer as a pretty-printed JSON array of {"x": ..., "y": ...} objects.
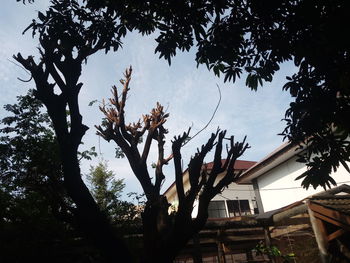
[
  {"x": 217, "y": 209},
  {"x": 238, "y": 207}
]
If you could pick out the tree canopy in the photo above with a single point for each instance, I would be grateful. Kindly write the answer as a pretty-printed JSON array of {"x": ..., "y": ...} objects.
[
  {"x": 163, "y": 233},
  {"x": 252, "y": 38},
  {"x": 107, "y": 191},
  {"x": 232, "y": 38}
]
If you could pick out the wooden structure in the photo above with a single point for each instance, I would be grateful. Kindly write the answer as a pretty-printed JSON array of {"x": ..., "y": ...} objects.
[
  {"x": 330, "y": 218},
  {"x": 226, "y": 240},
  {"x": 316, "y": 226}
]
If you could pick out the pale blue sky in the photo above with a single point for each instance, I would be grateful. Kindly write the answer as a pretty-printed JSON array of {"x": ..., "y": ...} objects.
[{"x": 189, "y": 93}]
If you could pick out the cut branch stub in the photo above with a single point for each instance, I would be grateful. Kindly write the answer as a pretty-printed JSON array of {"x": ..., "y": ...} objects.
[{"x": 128, "y": 136}]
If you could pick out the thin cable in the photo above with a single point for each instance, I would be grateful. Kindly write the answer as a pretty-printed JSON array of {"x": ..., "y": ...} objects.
[{"x": 212, "y": 117}]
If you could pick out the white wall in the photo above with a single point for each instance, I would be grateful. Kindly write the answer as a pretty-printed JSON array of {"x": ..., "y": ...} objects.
[
  {"x": 233, "y": 192},
  {"x": 278, "y": 187},
  {"x": 243, "y": 192}
]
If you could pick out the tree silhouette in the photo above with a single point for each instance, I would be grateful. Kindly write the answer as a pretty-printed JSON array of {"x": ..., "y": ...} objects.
[
  {"x": 253, "y": 38},
  {"x": 35, "y": 210},
  {"x": 165, "y": 235},
  {"x": 63, "y": 50},
  {"x": 68, "y": 35},
  {"x": 232, "y": 37}
]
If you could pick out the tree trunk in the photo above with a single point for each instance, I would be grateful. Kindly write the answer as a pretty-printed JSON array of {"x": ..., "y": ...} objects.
[
  {"x": 163, "y": 236},
  {"x": 92, "y": 222}
]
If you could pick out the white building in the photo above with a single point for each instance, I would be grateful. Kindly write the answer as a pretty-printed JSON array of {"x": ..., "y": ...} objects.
[
  {"x": 236, "y": 200},
  {"x": 274, "y": 177}
]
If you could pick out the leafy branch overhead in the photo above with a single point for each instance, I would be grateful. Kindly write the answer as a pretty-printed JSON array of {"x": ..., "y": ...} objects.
[
  {"x": 237, "y": 39},
  {"x": 252, "y": 39}
]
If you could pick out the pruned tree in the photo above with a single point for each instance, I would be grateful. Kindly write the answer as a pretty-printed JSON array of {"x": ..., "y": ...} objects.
[{"x": 164, "y": 236}]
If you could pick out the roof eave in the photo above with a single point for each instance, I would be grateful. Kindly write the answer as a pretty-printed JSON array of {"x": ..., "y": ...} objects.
[{"x": 278, "y": 156}]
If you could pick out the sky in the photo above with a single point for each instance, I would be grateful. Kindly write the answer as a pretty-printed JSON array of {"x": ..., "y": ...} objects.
[{"x": 189, "y": 93}]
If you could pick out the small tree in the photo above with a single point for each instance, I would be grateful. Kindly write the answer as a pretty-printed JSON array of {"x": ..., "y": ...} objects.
[
  {"x": 164, "y": 236},
  {"x": 107, "y": 192}
]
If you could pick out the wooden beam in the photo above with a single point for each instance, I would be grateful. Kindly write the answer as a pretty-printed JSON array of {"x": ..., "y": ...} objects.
[
  {"x": 221, "y": 253},
  {"x": 332, "y": 221},
  {"x": 268, "y": 243},
  {"x": 280, "y": 232},
  {"x": 330, "y": 213},
  {"x": 293, "y": 221},
  {"x": 196, "y": 252},
  {"x": 336, "y": 234},
  {"x": 320, "y": 235},
  {"x": 290, "y": 212}
]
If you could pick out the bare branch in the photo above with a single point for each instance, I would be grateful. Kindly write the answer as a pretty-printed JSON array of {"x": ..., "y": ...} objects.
[
  {"x": 217, "y": 166},
  {"x": 176, "y": 147},
  {"x": 196, "y": 162},
  {"x": 236, "y": 149},
  {"x": 155, "y": 122},
  {"x": 128, "y": 136}
]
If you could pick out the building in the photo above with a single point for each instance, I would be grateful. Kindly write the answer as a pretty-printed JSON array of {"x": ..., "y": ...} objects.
[
  {"x": 267, "y": 204},
  {"x": 273, "y": 179},
  {"x": 235, "y": 200}
]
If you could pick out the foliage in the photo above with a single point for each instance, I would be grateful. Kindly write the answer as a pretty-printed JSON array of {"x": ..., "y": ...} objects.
[
  {"x": 236, "y": 37},
  {"x": 273, "y": 251},
  {"x": 36, "y": 215},
  {"x": 29, "y": 158},
  {"x": 254, "y": 38},
  {"x": 107, "y": 192},
  {"x": 232, "y": 37}
]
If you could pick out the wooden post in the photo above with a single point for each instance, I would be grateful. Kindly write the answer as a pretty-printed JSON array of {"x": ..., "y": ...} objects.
[
  {"x": 268, "y": 242},
  {"x": 221, "y": 253},
  {"x": 320, "y": 235}
]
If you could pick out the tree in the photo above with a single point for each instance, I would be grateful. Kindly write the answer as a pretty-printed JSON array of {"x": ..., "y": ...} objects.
[
  {"x": 36, "y": 214},
  {"x": 255, "y": 37},
  {"x": 107, "y": 192},
  {"x": 232, "y": 37},
  {"x": 165, "y": 235},
  {"x": 29, "y": 159},
  {"x": 63, "y": 50}
]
